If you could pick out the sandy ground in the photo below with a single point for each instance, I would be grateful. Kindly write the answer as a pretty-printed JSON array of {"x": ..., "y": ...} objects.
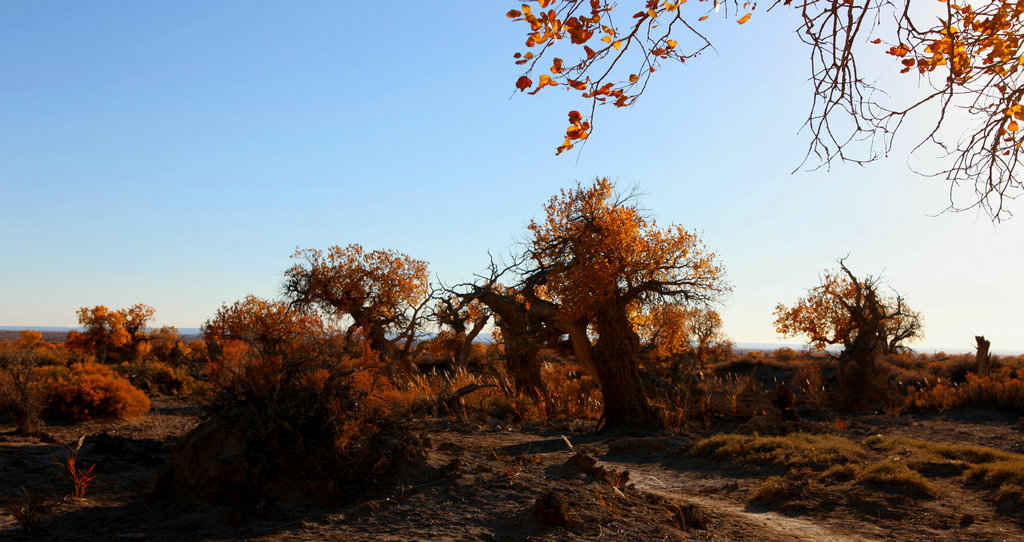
[{"x": 520, "y": 484}]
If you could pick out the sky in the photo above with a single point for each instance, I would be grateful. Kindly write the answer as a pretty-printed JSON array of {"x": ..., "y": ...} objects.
[{"x": 177, "y": 154}]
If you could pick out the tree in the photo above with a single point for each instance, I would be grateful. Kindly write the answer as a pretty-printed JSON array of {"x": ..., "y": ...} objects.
[
  {"x": 383, "y": 292},
  {"x": 601, "y": 260},
  {"x": 844, "y": 310},
  {"x": 121, "y": 332},
  {"x": 166, "y": 344},
  {"x": 134, "y": 320},
  {"x": 969, "y": 55},
  {"x": 525, "y": 324},
  {"x": 270, "y": 328},
  {"x": 675, "y": 332},
  {"x": 464, "y": 319},
  {"x": 30, "y": 339}
]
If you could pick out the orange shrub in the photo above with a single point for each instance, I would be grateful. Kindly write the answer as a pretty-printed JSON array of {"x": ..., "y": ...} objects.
[
  {"x": 90, "y": 390},
  {"x": 1003, "y": 388}
]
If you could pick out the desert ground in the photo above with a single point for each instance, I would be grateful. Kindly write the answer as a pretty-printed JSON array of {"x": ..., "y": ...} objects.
[{"x": 520, "y": 481}]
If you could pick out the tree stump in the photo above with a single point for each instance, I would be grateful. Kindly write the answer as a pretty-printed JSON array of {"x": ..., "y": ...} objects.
[{"x": 981, "y": 358}]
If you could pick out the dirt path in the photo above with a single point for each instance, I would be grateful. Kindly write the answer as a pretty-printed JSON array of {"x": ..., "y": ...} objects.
[{"x": 769, "y": 525}]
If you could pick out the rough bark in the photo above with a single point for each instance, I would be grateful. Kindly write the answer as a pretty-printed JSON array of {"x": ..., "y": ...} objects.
[
  {"x": 617, "y": 367},
  {"x": 522, "y": 341},
  {"x": 524, "y": 367},
  {"x": 981, "y": 357}
]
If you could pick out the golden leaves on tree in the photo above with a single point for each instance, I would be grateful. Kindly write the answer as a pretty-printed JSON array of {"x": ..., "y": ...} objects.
[
  {"x": 598, "y": 248},
  {"x": 600, "y": 45}
]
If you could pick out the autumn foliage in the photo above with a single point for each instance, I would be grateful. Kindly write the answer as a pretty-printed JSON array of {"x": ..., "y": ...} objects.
[
  {"x": 119, "y": 335},
  {"x": 310, "y": 405},
  {"x": 584, "y": 46},
  {"x": 852, "y": 312},
  {"x": 968, "y": 55},
  {"x": 88, "y": 390},
  {"x": 602, "y": 261},
  {"x": 843, "y": 309},
  {"x": 382, "y": 291}
]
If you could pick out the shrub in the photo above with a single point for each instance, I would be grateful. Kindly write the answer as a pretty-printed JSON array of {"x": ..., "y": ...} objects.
[
  {"x": 310, "y": 421},
  {"x": 157, "y": 377},
  {"x": 89, "y": 390},
  {"x": 22, "y": 390},
  {"x": 1003, "y": 388},
  {"x": 30, "y": 509}
]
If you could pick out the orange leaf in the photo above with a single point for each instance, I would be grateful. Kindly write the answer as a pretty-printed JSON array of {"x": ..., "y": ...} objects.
[
  {"x": 743, "y": 19},
  {"x": 524, "y": 83},
  {"x": 876, "y": 41},
  {"x": 672, "y": 44},
  {"x": 512, "y": 14},
  {"x": 702, "y": 18},
  {"x": 1013, "y": 127}
]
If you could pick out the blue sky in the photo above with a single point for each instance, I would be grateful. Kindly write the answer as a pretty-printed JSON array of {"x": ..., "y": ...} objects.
[{"x": 176, "y": 154}]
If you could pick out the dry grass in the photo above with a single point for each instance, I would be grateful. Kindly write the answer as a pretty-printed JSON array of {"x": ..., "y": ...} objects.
[
  {"x": 895, "y": 473},
  {"x": 30, "y": 510},
  {"x": 775, "y": 489},
  {"x": 987, "y": 466},
  {"x": 797, "y": 451}
]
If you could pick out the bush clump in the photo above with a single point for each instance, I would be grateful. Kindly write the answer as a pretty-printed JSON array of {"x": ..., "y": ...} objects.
[
  {"x": 312, "y": 419},
  {"x": 88, "y": 391},
  {"x": 157, "y": 377}
]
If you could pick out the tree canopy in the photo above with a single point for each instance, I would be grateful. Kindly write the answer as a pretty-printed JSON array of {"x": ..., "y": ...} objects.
[
  {"x": 968, "y": 56},
  {"x": 846, "y": 310},
  {"x": 382, "y": 291}
]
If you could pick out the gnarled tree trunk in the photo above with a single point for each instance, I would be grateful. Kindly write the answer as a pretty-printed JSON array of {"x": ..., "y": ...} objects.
[
  {"x": 618, "y": 374},
  {"x": 524, "y": 366}
]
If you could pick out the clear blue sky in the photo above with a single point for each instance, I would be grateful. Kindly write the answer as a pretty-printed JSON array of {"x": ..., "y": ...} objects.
[{"x": 176, "y": 154}]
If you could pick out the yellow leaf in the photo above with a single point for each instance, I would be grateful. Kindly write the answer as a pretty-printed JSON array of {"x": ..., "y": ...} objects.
[
  {"x": 743, "y": 19},
  {"x": 672, "y": 44},
  {"x": 606, "y": 39},
  {"x": 616, "y": 45}
]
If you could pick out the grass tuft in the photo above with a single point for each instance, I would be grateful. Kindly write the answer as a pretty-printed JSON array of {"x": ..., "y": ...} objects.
[
  {"x": 895, "y": 473},
  {"x": 791, "y": 452}
]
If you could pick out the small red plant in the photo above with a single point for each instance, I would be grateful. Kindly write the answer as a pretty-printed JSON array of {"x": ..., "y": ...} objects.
[{"x": 79, "y": 477}]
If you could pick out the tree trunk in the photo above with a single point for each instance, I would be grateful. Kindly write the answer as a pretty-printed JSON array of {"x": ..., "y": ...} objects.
[
  {"x": 523, "y": 366},
  {"x": 981, "y": 358},
  {"x": 858, "y": 386},
  {"x": 390, "y": 354},
  {"x": 617, "y": 367},
  {"x": 466, "y": 349}
]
